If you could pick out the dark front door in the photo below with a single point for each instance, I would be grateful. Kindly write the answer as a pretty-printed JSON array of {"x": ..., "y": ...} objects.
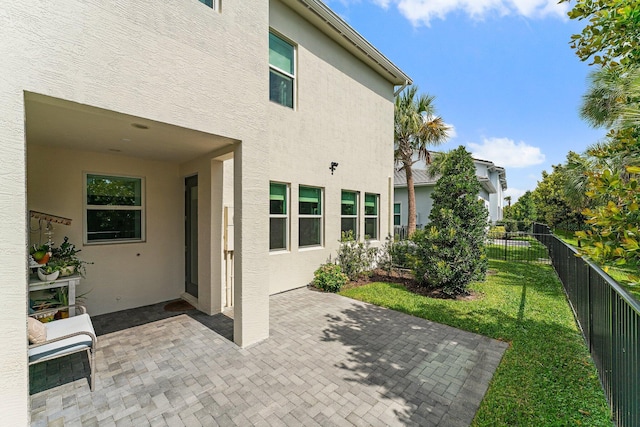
[{"x": 191, "y": 235}]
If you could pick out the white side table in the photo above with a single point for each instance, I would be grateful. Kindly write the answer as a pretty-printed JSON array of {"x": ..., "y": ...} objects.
[{"x": 70, "y": 282}]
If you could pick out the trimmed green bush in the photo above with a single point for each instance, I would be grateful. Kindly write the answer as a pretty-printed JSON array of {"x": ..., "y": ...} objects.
[
  {"x": 401, "y": 253},
  {"x": 329, "y": 277},
  {"x": 497, "y": 232},
  {"x": 450, "y": 254},
  {"x": 355, "y": 258}
]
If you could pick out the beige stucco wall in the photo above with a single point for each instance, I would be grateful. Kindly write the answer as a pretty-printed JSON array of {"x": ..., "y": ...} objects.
[
  {"x": 176, "y": 62},
  {"x": 180, "y": 63},
  {"x": 343, "y": 113},
  {"x": 14, "y": 401},
  {"x": 123, "y": 275}
]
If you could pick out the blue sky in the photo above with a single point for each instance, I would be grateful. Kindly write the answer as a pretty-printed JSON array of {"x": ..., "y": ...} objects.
[{"x": 502, "y": 72}]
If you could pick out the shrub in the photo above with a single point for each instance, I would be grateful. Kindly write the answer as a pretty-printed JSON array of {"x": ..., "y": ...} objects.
[
  {"x": 401, "y": 253},
  {"x": 497, "y": 232},
  {"x": 395, "y": 254},
  {"x": 450, "y": 254},
  {"x": 510, "y": 225},
  {"x": 329, "y": 277},
  {"x": 355, "y": 258},
  {"x": 446, "y": 259}
]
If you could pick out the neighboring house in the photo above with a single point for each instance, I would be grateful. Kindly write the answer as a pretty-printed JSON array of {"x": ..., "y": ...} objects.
[
  {"x": 492, "y": 178},
  {"x": 191, "y": 146}
]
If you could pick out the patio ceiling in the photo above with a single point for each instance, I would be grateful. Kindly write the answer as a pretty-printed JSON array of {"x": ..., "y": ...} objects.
[{"x": 56, "y": 122}]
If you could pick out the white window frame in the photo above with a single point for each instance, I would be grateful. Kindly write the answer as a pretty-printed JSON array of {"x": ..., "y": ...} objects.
[
  {"x": 215, "y": 4},
  {"x": 319, "y": 216},
  {"x": 285, "y": 216},
  {"x": 376, "y": 216},
  {"x": 356, "y": 235},
  {"x": 399, "y": 214},
  {"x": 286, "y": 73},
  {"x": 87, "y": 207}
]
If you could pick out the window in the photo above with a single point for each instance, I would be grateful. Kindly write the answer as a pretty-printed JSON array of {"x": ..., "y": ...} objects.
[
  {"x": 310, "y": 216},
  {"x": 349, "y": 213},
  {"x": 281, "y": 71},
  {"x": 213, "y": 4},
  {"x": 396, "y": 214},
  {"x": 371, "y": 216},
  {"x": 114, "y": 209},
  {"x": 278, "y": 217}
]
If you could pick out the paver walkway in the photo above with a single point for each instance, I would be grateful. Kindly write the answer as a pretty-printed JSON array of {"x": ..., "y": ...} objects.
[{"x": 329, "y": 360}]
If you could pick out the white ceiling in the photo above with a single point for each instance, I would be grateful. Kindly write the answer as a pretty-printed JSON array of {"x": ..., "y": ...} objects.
[{"x": 55, "y": 122}]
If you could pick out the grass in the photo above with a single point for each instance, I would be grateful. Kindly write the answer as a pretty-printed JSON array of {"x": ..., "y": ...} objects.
[
  {"x": 569, "y": 237},
  {"x": 546, "y": 376},
  {"x": 510, "y": 250}
]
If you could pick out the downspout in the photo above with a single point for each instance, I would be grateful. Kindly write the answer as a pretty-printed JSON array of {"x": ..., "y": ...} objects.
[
  {"x": 404, "y": 85},
  {"x": 390, "y": 208}
]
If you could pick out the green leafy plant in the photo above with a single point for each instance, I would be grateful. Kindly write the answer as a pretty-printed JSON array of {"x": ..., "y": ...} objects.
[
  {"x": 355, "y": 258},
  {"x": 50, "y": 268},
  {"x": 396, "y": 254},
  {"x": 39, "y": 252},
  {"x": 497, "y": 232},
  {"x": 450, "y": 254},
  {"x": 66, "y": 256},
  {"x": 329, "y": 277}
]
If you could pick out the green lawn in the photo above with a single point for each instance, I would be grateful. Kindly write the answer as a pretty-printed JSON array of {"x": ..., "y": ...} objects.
[
  {"x": 546, "y": 376},
  {"x": 510, "y": 250}
]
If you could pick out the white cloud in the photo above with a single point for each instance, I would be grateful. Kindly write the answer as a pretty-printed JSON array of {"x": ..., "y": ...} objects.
[
  {"x": 506, "y": 152},
  {"x": 424, "y": 11},
  {"x": 452, "y": 131},
  {"x": 515, "y": 194}
]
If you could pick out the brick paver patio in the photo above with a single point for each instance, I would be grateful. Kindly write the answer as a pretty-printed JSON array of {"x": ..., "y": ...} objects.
[{"x": 329, "y": 360}]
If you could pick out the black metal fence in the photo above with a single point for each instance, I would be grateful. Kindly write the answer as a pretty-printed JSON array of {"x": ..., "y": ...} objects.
[
  {"x": 401, "y": 232},
  {"x": 610, "y": 321},
  {"x": 517, "y": 247}
]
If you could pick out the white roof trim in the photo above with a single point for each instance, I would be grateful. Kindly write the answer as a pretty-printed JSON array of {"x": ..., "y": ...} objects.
[{"x": 337, "y": 29}]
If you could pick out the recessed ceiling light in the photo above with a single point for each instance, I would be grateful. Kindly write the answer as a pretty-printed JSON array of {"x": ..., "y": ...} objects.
[
  {"x": 139, "y": 126},
  {"x": 125, "y": 140}
]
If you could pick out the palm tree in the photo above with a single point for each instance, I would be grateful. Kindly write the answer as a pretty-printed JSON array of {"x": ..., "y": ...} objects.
[
  {"x": 508, "y": 200},
  {"x": 613, "y": 98},
  {"x": 416, "y": 128}
]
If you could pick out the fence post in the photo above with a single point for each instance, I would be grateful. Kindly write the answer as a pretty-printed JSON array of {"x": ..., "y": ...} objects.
[{"x": 506, "y": 241}]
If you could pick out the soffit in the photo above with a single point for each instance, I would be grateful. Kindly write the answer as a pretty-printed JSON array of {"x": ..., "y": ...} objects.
[{"x": 56, "y": 122}]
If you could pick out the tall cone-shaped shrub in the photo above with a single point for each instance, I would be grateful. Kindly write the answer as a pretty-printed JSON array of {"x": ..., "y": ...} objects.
[{"x": 450, "y": 251}]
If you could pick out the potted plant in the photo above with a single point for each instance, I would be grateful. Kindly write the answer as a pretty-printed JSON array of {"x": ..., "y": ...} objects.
[
  {"x": 40, "y": 253},
  {"x": 65, "y": 257},
  {"x": 49, "y": 272}
]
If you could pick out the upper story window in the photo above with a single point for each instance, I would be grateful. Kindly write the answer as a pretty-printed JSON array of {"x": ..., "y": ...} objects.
[
  {"x": 114, "y": 209},
  {"x": 349, "y": 213},
  {"x": 310, "y": 216},
  {"x": 213, "y": 4},
  {"x": 371, "y": 216},
  {"x": 278, "y": 216},
  {"x": 281, "y": 71}
]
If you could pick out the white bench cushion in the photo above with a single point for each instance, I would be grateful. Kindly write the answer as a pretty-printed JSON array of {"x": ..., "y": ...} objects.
[{"x": 60, "y": 328}]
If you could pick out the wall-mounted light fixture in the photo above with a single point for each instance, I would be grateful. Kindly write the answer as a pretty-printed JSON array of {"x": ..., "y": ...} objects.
[{"x": 333, "y": 167}]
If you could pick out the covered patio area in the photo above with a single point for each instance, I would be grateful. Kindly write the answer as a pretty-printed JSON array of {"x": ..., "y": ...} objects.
[{"x": 329, "y": 360}]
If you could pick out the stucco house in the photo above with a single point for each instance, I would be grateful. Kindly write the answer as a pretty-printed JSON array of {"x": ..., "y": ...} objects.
[
  {"x": 492, "y": 178},
  {"x": 205, "y": 150}
]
